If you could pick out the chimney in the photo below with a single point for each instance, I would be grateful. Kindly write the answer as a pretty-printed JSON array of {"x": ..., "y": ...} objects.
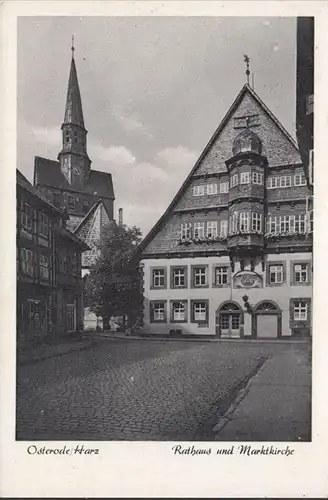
[{"x": 120, "y": 216}]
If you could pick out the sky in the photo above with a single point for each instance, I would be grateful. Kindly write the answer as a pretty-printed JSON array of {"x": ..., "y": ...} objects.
[{"x": 154, "y": 89}]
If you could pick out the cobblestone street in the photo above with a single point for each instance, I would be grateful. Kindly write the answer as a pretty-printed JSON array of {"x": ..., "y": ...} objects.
[{"x": 135, "y": 390}]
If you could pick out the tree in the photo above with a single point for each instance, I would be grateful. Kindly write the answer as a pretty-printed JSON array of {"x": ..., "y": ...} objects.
[{"x": 113, "y": 286}]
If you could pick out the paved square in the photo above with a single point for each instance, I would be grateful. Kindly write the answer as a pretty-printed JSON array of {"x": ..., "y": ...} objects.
[{"x": 135, "y": 389}]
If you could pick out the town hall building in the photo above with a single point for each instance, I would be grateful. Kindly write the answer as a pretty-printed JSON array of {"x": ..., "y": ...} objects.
[{"x": 232, "y": 255}]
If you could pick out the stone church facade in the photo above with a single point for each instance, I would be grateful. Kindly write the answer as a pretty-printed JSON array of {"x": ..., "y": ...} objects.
[
  {"x": 70, "y": 183},
  {"x": 232, "y": 255}
]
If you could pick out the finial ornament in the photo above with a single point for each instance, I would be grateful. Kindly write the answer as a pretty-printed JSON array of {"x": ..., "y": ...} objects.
[
  {"x": 246, "y": 60},
  {"x": 73, "y": 48}
]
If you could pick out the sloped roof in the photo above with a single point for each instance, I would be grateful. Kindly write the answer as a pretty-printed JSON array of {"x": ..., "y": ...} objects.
[
  {"x": 65, "y": 233},
  {"x": 24, "y": 183},
  {"x": 48, "y": 173},
  {"x": 89, "y": 215},
  {"x": 73, "y": 109},
  {"x": 246, "y": 88}
]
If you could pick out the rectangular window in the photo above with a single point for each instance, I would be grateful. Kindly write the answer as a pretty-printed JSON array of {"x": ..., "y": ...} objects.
[
  {"x": 198, "y": 190},
  {"x": 185, "y": 231},
  {"x": 211, "y": 189},
  {"x": 300, "y": 310},
  {"x": 273, "y": 183},
  {"x": 212, "y": 229},
  {"x": 179, "y": 311},
  {"x": 309, "y": 222},
  {"x": 244, "y": 222},
  {"x": 158, "y": 312},
  {"x": 234, "y": 220},
  {"x": 27, "y": 261},
  {"x": 221, "y": 275},
  {"x": 299, "y": 180},
  {"x": 85, "y": 206},
  {"x": 285, "y": 181},
  {"x": 245, "y": 177},
  {"x": 256, "y": 222},
  {"x": 301, "y": 273},
  {"x": 158, "y": 278},
  {"x": 300, "y": 223},
  {"x": 43, "y": 224},
  {"x": 70, "y": 201},
  {"x": 179, "y": 279},
  {"x": 199, "y": 311},
  {"x": 223, "y": 228},
  {"x": 199, "y": 229},
  {"x": 200, "y": 276},
  {"x": 224, "y": 187},
  {"x": 44, "y": 267},
  {"x": 26, "y": 216},
  {"x": 285, "y": 223},
  {"x": 234, "y": 180},
  {"x": 276, "y": 273},
  {"x": 257, "y": 178}
]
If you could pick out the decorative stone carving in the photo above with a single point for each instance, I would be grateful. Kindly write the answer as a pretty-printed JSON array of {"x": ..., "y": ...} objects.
[{"x": 247, "y": 279}]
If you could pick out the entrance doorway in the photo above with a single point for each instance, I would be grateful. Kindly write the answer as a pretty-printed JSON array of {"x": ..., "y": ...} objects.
[
  {"x": 70, "y": 318},
  {"x": 266, "y": 320},
  {"x": 229, "y": 320}
]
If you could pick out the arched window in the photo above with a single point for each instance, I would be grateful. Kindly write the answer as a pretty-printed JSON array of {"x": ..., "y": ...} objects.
[
  {"x": 229, "y": 306},
  {"x": 267, "y": 306}
]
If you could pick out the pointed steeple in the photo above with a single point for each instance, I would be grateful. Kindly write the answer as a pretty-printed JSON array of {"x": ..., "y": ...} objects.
[
  {"x": 73, "y": 109},
  {"x": 74, "y": 160}
]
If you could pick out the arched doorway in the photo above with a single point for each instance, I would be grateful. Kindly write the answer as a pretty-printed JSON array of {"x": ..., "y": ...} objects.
[
  {"x": 229, "y": 320},
  {"x": 266, "y": 320}
]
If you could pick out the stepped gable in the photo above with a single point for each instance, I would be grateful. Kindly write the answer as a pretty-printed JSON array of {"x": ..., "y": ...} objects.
[
  {"x": 277, "y": 145},
  {"x": 48, "y": 173}
]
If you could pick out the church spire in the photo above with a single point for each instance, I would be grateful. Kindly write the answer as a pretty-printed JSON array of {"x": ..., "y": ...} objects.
[
  {"x": 74, "y": 160},
  {"x": 73, "y": 109}
]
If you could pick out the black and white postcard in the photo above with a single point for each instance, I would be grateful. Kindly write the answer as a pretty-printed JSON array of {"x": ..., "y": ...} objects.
[{"x": 164, "y": 217}]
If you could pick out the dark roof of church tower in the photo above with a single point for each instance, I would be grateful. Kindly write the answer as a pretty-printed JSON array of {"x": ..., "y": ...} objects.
[
  {"x": 48, "y": 173},
  {"x": 73, "y": 110}
]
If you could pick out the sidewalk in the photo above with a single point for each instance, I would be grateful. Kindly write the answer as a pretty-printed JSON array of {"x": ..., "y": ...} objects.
[
  {"x": 275, "y": 405},
  {"x": 188, "y": 338},
  {"x": 47, "y": 351}
]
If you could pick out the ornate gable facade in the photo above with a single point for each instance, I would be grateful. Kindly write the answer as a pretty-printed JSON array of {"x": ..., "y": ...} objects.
[
  {"x": 204, "y": 196},
  {"x": 232, "y": 255}
]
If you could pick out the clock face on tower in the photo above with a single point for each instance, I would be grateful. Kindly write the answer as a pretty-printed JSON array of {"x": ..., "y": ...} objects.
[{"x": 77, "y": 169}]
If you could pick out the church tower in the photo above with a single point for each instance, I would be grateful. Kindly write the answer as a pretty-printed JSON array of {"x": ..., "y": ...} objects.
[{"x": 74, "y": 160}]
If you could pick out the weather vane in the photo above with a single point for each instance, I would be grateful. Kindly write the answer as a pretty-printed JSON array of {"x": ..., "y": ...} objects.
[{"x": 246, "y": 59}]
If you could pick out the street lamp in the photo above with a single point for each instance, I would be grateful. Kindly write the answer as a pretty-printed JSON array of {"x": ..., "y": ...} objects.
[{"x": 247, "y": 304}]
